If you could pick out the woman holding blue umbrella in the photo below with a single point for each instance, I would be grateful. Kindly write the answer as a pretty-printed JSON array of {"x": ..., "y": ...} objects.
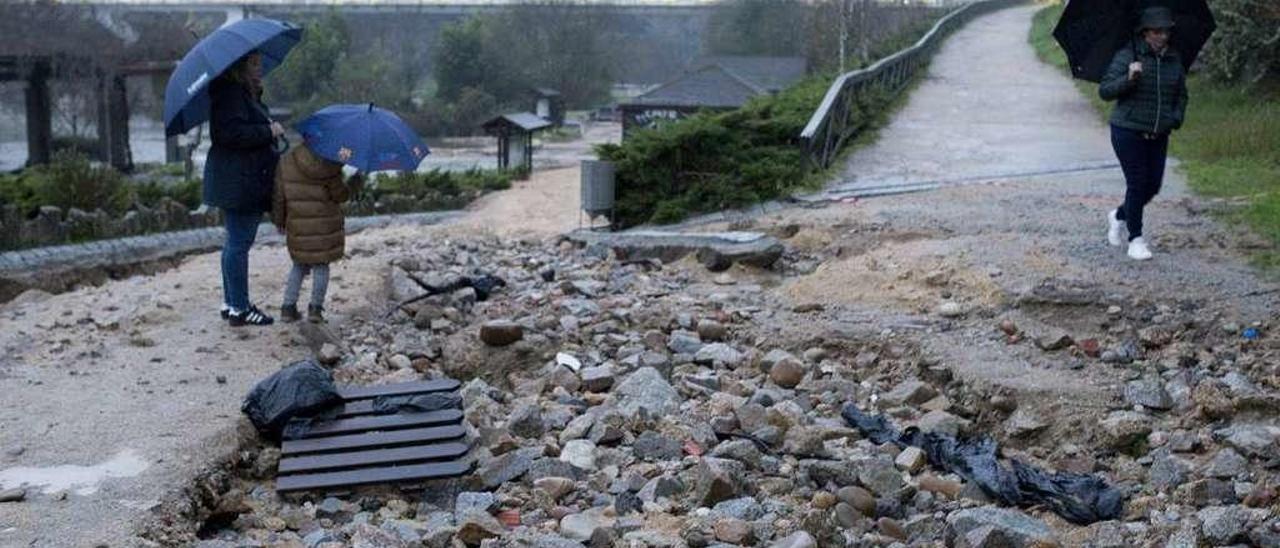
[
  {"x": 220, "y": 81},
  {"x": 238, "y": 177}
]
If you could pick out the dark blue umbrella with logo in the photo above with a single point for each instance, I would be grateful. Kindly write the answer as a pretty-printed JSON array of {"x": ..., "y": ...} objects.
[
  {"x": 365, "y": 137},
  {"x": 186, "y": 98}
]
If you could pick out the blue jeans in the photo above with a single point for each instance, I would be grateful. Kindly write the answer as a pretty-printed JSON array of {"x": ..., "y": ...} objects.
[
  {"x": 319, "y": 283},
  {"x": 242, "y": 229},
  {"x": 1142, "y": 159}
]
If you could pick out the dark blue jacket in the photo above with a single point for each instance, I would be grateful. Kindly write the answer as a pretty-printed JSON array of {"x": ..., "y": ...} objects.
[
  {"x": 240, "y": 169},
  {"x": 1154, "y": 103}
]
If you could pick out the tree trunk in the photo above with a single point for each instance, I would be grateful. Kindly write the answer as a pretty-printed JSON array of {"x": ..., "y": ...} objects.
[{"x": 39, "y": 115}]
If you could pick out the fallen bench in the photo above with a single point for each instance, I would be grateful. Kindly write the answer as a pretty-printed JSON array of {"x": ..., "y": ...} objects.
[{"x": 359, "y": 447}]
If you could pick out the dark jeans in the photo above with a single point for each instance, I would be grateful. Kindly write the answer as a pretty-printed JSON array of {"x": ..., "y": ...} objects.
[
  {"x": 242, "y": 229},
  {"x": 1142, "y": 161}
]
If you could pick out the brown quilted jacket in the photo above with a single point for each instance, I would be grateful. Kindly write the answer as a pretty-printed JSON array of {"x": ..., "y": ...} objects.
[{"x": 307, "y": 206}]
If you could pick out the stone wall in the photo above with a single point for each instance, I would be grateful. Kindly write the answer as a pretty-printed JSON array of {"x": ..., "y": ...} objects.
[{"x": 53, "y": 226}]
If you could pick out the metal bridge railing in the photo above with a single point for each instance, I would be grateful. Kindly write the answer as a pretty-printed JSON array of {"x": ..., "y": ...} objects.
[{"x": 843, "y": 112}]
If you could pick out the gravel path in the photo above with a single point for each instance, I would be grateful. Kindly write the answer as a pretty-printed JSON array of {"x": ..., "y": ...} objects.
[{"x": 119, "y": 394}]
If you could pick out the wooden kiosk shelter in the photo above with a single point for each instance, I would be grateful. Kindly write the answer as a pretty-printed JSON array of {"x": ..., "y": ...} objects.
[{"x": 515, "y": 139}]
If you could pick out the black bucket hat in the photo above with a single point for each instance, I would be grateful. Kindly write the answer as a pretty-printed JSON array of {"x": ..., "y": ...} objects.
[{"x": 1155, "y": 18}]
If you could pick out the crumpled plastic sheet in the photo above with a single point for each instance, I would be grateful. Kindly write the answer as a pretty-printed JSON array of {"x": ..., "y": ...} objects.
[
  {"x": 484, "y": 284},
  {"x": 303, "y": 389},
  {"x": 1079, "y": 498},
  {"x": 423, "y": 403}
]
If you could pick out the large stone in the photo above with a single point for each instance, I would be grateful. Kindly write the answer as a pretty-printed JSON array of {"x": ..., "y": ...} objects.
[
  {"x": 499, "y": 470},
  {"x": 652, "y": 446},
  {"x": 1252, "y": 440},
  {"x": 717, "y": 480},
  {"x": 744, "y": 451},
  {"x": 1167, "y": 472},
  {"x": 881, "y": 477},
  {"x": 501, "y": 332},
  {"x": 858, "y": 498},
  {"x": 548, "y": 467},
  {"x": 368, "y": 536},
  {"x": 910, "y": 460},
  {"x": 734, "y": 531},
  {"x": 744, "y": 508},
  {"x": 660, "y": 487},
  {"x": 582, "y": 525},
  {"x": 580, "y": 453},
  {"x": 475, "y": 527},
  {"x": 597, "y": 379},
  {"x": 1024, "y": 422},
  {"x": 911, "y": 392},
  {"x": 1020, "y": 529},
  {"x": 942, "y": 422},
  {"x": 684, "y": 342},
  {"x": 556, "y": 487},
  {"x": 329, "y": 354},
  {"x": 711, "y": 330},
  {"x": 527, "y": 422},
  {"x": 1149, "y": 393},
  {"x": 798, "y": 539},
  {"x": 1224, "y": 525},
  {"x": 787, "y": 372},
  {"x": 1123, "y": 430},
  {"x": 646, "y": 389},
  {"x": 718, "y": 354},
  {"x": 716, "y": 250},
  {"x": 1226, "y": 464},
  {"x": 474, "y": 502},
  {"x": 15, "y": 494}
]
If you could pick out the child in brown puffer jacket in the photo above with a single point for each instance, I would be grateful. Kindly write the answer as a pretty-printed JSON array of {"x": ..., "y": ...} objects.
[{"x": 307, "y": 208}]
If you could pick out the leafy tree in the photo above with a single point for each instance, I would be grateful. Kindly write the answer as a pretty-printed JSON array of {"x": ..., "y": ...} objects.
[
  {"x": 310, "y": 66},
  {"x": 1246, "y": 45},
  {"x": 758, "y": 27},
  {"x": 562, "y": 45},
  {"x": 459, "y": 58}
]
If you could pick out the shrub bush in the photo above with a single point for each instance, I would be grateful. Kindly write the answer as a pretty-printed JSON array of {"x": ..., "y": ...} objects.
[
  {"x": 72, "y": 181},
  {"x": 712, "y": 161}
]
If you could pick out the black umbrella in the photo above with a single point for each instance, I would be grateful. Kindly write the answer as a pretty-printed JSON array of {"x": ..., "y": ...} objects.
[{"x": 1091, "y": 31}]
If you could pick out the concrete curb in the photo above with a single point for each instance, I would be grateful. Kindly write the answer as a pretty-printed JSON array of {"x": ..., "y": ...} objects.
[{"x": 58, "y": 268}]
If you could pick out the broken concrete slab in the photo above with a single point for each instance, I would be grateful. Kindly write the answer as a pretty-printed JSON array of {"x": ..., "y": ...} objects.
[{"x": 717, "y": 250}]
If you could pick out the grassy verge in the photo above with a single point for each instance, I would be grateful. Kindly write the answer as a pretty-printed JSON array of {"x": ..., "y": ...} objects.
[{"x": 1229, "y": 147}]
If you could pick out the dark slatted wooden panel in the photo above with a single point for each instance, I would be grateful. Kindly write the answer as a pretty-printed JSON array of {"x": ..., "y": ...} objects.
[
  {"x": 373, "y": 440},
  {"x": 363, "y": 448},
  {"x": 403, "y": 389},
  {"x": 369, "y": 476},
  {"x": 385, "y": 422},
  {"x": 359, "y": 459}
]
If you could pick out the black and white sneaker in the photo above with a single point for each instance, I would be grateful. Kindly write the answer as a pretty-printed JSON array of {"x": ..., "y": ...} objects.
[
  {"x": 225, "y": 312},
  {"x": 252, "y": 316}
]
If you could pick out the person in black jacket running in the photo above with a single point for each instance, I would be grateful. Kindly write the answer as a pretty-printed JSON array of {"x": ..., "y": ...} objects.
[{"x": 1148, "y": 82}]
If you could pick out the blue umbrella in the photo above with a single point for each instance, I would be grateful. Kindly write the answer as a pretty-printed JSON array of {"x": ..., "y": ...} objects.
[
  {"x": 186, "y": 98},
  {"x": 365, "y": 137}
]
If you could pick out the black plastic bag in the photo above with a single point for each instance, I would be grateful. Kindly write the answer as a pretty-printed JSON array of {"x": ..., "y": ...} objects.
[
  {"x": 304, "y": 389},
  {"x": 390, "y": 405},
  {"x": 484, "y": 285},
  {"x": 1078, "y": 498}
]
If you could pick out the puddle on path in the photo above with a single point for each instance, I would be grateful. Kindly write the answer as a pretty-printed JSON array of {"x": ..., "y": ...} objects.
[{"x": 82, "y": 480}]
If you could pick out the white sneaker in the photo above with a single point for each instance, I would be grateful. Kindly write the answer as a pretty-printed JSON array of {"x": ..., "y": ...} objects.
[
  {"x": 1138, "y": 249},
  {"x": 1114, "y": 226}
]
